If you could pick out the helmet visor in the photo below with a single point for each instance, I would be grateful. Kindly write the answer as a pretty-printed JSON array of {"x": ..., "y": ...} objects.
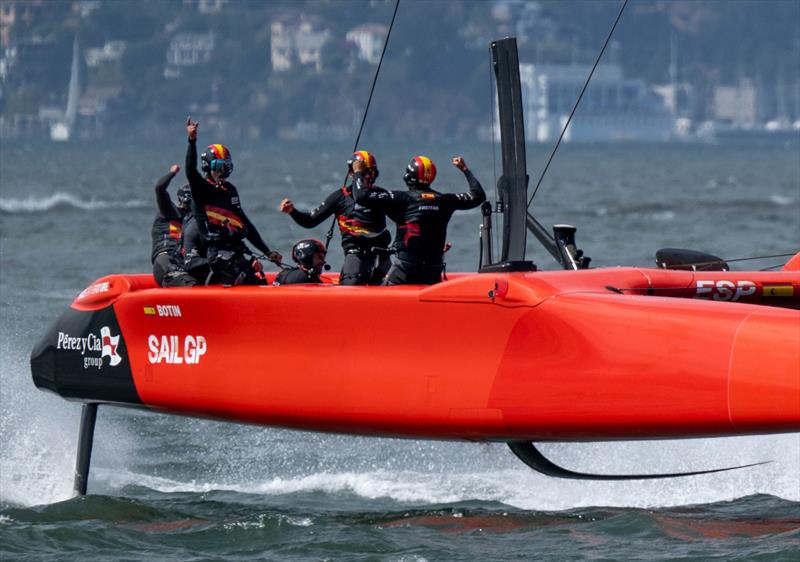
[{"x": 222, "y": 167}]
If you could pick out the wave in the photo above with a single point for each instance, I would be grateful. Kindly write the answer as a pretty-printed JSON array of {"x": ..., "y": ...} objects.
[
  {"x": 64, "y": 200},
  {"x": 399, "y": 486},
  {"x": 517, "y": 487},
  {"x": 780, "y": 200}
]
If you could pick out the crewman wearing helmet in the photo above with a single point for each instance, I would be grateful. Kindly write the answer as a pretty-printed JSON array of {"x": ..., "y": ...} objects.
[
  {"x": 220, "y": 216},
  {"x": 421, "y": 215},
  {"x": 309, "y": 255},
  {"x": 365, "y": 239},
  {"x": 167, "y": 234}
]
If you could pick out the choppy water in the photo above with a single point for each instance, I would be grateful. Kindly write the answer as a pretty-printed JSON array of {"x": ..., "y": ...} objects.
[{"x": 173, "y": 488}]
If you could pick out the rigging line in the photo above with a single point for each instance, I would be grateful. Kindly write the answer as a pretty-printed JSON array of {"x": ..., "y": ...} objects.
[
  {"x": 377, "y": 71},
  {"x": 577, "y": 102},
  {"x": 761, "y": 257},
  {"x": 772, "y": 267},
  {"x": 366, "y": 109}
]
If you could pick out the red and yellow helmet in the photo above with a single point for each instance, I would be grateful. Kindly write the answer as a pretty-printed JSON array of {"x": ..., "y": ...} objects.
[
  {"x": 368, "y": 159},
  {"x": 217, "y": 158},
  {"x": 420, "y": 171}
]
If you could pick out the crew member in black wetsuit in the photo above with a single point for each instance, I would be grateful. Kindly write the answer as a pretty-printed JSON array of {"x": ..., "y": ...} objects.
[
  {"x": 166, "y": 234},
  {"x": 310, "y": 258},
  {"x": 220, "y": 217},
  {"x": 363, "y": 229},
  {"x": 421, "y": 215}
]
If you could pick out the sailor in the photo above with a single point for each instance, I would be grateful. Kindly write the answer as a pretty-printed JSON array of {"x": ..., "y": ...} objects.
[
  {"x": 365, "y": 239},
  {"x": 166, "y": 234},
  {"x": 421, "y": 215},
  {"x": 220, "y": 217},
  {"x": 309, "y": 255}
]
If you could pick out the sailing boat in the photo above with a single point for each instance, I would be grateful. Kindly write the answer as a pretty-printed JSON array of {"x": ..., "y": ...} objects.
[
  {"x": 61, "y": 131},
  {"x": 505, "y": 354}
]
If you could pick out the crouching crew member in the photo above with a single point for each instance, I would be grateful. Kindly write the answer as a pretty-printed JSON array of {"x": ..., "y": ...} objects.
[
  {"x": 309, "y": 255},
  {"x": 194, "y": 248},
  {"x": 166, "y": 234},
  {"x": 220, "y": 216},
  {"x": 363, "y": 229},
  {"x": 421, "y": 215}
]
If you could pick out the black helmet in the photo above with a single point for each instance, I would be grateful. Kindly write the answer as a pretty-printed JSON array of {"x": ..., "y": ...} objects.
[
  {"x": 217, "y": 158},
  {"x": 310, "y": 253},
  {"x": 420, "y": 172},
  {"x": 184, "y": 198},
  {"x": 367, "y": 158}
]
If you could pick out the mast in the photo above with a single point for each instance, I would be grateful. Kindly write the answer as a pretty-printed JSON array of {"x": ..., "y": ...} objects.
[
  {"x": 62, "y": 130},
  {"x": 512, "y": 186},
  {"x": 74, "y": 85},
  {"x": 513, "y": 183}
]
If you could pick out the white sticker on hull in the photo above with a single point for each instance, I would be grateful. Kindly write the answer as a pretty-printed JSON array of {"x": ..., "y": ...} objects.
[
  {"x": 175, "y": 350},
  {"x": 90, "y": 345},
  {"x": 94, "y": 290},
  {"x": 724, "y": 290}
]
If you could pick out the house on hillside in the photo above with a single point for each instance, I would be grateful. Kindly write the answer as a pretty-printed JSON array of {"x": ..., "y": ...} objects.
[
  {"x": 18, "y": 15},
  {"x": 207, "y": 6},
  {"x": 369, "y": 39},
  {"x": 111, "y": 51},
  {"x": 296, "y": 42},
  {"x": 188, "y": 49}
]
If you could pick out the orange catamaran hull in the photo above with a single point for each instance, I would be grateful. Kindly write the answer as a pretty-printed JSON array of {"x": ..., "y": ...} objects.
[{"x": 571, "y": 355}]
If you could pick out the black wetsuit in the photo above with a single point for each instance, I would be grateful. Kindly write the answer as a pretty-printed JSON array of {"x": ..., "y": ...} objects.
[
  {"x": 363, "y": 229},
  {"x": 195, "y": 261},
  {"x": 421, "y": 216},
  {"x": 224, "y": 226},
  {"x": 295, "y": 275},
  {"x": 166, "y": 235}
]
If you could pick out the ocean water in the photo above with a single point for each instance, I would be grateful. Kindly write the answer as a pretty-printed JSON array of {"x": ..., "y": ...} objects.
[{"x": 172, "y": 488}]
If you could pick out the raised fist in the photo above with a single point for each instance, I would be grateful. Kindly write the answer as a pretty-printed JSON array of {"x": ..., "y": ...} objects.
[{"x": 286, "y": 205}]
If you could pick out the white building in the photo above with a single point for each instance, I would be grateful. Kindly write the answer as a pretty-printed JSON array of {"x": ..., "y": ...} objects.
[
  {"x": 188, "y": 49},
  {"x": 369, "y": 38},
  {"x": 111, "y": 51},
  {"x": 206, "y": 6},
  {"x": 613, "y": 107},
  {"x": 8, "y": 59},
  {"x": 296, "y": 42},
  {"x": 736, "y": 105}
]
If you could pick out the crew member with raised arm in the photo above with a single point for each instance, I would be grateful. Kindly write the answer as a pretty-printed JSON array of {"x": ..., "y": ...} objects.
[
  {"x": 421, "y": 215},
  {"x": 365, "y": 238},
  {"x": 220, "y": 216},
  {"x": 166, "y": 234}
]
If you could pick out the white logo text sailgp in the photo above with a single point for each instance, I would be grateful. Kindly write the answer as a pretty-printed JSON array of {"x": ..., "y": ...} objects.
[{"x": 175, "y": 350}]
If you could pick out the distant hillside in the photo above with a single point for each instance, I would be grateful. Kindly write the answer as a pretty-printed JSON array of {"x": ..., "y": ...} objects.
[{"x": 150, "y": 62}]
